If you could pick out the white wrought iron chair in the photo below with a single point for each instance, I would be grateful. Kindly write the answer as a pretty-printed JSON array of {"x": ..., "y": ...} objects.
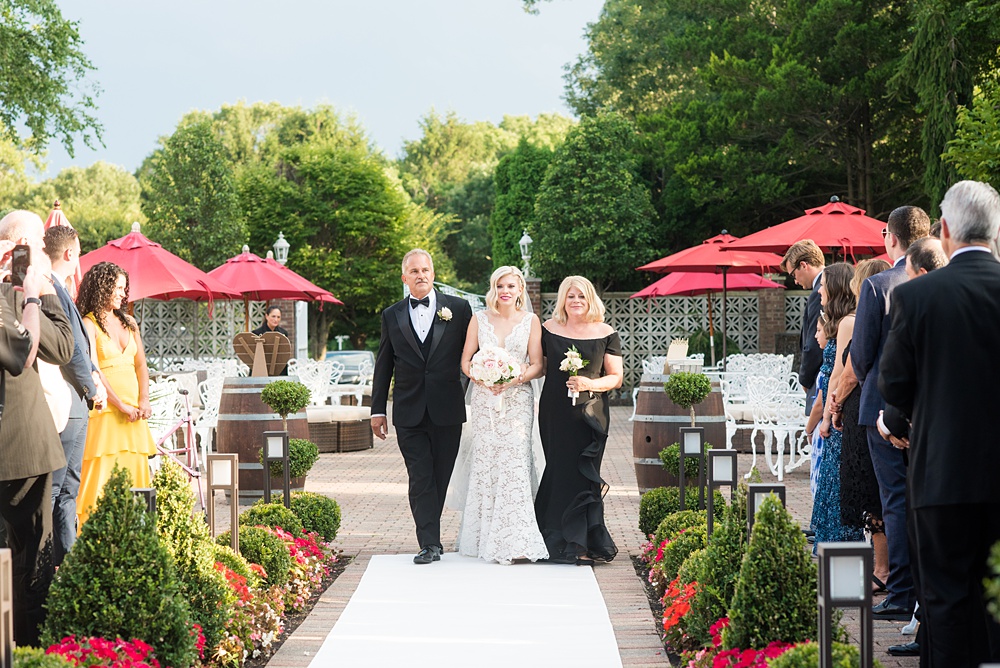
[
  {"x": 763, "y": 397},
  {"x": 210, "y": 392}
]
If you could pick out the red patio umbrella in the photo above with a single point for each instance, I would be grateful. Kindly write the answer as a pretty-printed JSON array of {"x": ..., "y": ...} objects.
[
  {"x": 156, "y": 273},
  {"x": 57, "y": 217},
  {"x": 258, "y": 280},
  {"x": 710, "y": 257},
  {"x": 835, "y": 226},
  {"x": 319, "y": 294},
  {"x": 689, "y": 284}
]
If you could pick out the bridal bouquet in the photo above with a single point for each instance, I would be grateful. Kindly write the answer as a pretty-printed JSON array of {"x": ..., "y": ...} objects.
[
  {"x": 572, "y": 364},
  {"x": 494, "y": 366}
]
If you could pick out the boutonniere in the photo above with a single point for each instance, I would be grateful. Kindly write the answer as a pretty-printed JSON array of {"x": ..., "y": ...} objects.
[{"x": 444, "y": 313}]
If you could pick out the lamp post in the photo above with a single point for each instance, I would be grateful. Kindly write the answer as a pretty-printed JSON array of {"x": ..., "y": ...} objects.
[
  {"x": 223, "y": 473},
  {"x": 281, "y": 247},
  {"x": 276, "y": 450},
  {"x": 148, "y": 495},
  {"x": 722, "y": 470},
  {"x": 844, "y": 583},
  {"x": 756, "y": 493},
  {"x": 692, "y": 446},
  {"x": 525, "y": 244},
  {"x": 6, "y": 610}
]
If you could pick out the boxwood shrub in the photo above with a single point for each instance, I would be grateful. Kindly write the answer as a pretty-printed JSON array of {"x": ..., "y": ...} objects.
[
  {"x": 271, "y": 515},
  {"x": 120, "y": 581},
  {"x": 775, "y": 596},
  {"x": 670, "y": 457},
  {"x": 235, "y": 562},
  {"x": 806, "y": 655},
  {"x": 682, "y": 544},
  {"x": 682, "y": 519},
  {"x": 318, "y": 513},
  {"x": 31, "y": 657},
  {"x": 657, "y": 503},
  {"x": 259, "y": 546}
]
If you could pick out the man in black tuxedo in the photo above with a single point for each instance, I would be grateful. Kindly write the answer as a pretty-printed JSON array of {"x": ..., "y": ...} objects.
[
  {"x": 421, "y": 345},
  {"x": 939, "y": 367},
  {"x": 804, "y": 262}
]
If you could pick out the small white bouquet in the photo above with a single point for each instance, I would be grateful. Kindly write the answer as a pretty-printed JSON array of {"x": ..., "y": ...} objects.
[
  {"x": 572, "y": 364},
  {"x": 494, "y": 366}
]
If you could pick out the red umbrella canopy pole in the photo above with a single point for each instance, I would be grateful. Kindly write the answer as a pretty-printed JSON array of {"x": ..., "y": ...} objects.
[{"x": 57, "y": 217}]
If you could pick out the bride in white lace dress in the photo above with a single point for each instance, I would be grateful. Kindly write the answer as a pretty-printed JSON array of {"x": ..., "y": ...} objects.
[{"x": 498, "y": 518}]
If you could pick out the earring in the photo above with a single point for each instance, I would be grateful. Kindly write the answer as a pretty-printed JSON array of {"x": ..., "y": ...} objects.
[{"x": 518, "y": 303}]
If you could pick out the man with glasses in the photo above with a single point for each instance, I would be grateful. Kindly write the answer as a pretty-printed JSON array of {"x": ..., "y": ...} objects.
[
  {"x": 871, "y": 327},
  {"x": 804, "y": 263}
]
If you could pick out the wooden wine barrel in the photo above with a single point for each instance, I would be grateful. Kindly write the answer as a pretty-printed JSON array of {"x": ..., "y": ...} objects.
[
  {"x": 657, "y": 424},
  {"x": 243, "y": 419}
]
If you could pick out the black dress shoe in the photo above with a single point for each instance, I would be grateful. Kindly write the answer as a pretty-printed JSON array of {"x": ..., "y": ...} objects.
[
  {"x": 885, "y": 610},
  {"x": 427, "y": 555},
  {"x": 909, "y": 649}
]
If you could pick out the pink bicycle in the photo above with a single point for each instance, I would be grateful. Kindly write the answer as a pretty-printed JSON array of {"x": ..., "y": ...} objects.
[{"x": 185, "y": 456}]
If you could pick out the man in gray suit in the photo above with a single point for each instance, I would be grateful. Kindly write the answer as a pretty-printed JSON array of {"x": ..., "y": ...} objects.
[
  {"x": 62, "y": 245},
  {"x": 29, "y": 445}
]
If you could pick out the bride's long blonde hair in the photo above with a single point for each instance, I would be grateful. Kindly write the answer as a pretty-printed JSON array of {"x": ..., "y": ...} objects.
[{"x": 493, "y": 297}]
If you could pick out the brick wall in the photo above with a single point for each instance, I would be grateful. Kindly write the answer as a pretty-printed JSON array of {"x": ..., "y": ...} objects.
[{"x": 771, "y": 314}]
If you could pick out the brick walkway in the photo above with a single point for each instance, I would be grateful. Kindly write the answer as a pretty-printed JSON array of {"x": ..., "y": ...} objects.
[{"x": 370, "y": 487}]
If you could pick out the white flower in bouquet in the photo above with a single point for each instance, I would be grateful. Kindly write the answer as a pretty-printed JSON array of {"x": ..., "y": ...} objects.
[
  {"x": 572, "y": 364},
  {"x": 494, "y": 366}
]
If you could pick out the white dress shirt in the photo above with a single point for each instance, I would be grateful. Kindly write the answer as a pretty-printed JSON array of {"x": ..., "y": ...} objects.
[{"x": 422, "y": 316}]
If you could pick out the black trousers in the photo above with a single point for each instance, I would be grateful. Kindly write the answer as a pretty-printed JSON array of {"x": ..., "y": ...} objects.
[
  {"x": 26, "y": 509},
  {"x": 953, "y": 543},
  {"x": 429, "y": 452}
]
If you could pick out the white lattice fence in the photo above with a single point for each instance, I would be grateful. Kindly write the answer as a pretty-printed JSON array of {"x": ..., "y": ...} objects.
[
  {"x": 646, "y": 326},
  {"x": 795, "y": 307},
  {"x": 181, "y": 329}
]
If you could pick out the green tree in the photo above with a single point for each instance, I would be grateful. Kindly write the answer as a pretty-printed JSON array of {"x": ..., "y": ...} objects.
[
  {"x": 517, "y": 179},
  {"x": 43, "y": 77},
  {"x": 190, "y": 196},
  {"x": 101, "y": 201},
  {"x": 593, "y": 214},
  {"x": 345, "y": 218},
  {"x": 975, "y": 150}
]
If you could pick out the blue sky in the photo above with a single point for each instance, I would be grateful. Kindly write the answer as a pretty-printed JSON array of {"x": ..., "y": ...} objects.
[{"x": 387, "y": 61}]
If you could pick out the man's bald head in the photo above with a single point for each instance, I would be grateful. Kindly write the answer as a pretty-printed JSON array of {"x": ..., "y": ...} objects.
[{"x": 22, "y": 225}]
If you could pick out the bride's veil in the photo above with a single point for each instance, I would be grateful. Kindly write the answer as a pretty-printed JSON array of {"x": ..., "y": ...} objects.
[{"x": 458, "y": 488}]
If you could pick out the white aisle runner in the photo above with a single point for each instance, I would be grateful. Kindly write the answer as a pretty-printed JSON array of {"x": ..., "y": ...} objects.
[{"x": 465, "y": 612}]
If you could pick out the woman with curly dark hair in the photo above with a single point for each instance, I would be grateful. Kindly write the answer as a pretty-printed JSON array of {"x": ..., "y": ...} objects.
[{"x": 117, "y": 434}]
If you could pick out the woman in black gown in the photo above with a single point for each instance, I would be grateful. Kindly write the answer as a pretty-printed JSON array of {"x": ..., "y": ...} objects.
[{"x": 569, "y": 505}]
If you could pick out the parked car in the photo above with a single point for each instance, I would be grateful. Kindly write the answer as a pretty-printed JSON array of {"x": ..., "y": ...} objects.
[{"x": 352, "y": 361}]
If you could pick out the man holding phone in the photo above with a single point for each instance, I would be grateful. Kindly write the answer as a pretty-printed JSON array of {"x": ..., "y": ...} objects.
[{"x": 29, "y": 444}]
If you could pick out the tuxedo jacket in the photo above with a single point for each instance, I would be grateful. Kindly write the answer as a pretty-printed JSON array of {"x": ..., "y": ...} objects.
[
  {"x": 871, "y": 327},
  {"x": 812, "y": 356},
  {"x": 940, "y": 368},
  {"x": 78, "y": 372},
  {"x": 427, "y": 381},
  {"x": 29, "y": 443}
]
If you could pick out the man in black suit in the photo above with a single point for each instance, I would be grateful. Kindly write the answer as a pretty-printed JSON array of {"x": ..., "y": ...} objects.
[
  {"x": 421, "y": 345},
  {"x": 804, "y": 262},
  {"x": 62, "y": 245},
  {"x": 939, "y": 367},
  {"x": 906, "y": 224}
]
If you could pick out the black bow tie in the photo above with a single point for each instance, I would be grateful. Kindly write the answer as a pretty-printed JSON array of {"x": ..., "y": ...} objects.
[{"x": 426, "y": 301}]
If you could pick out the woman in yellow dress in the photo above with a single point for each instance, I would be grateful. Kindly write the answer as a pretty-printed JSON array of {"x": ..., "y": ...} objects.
[{"x": 117, "y": 434}]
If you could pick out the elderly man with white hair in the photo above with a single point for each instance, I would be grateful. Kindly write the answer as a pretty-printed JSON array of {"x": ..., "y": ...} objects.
[
  {"x": 941, "y": 366},
  {"x": 29, "y": 443}
]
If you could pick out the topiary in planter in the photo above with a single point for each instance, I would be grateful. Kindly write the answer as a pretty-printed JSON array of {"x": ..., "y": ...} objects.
[
  {"x": 688, "y": 389},
  {"x": 271, "y": 515},
  {"x": 674, "y": 522},
  {"x": 670, "y": 457},
  {"x": 285, "y": 397},
  {"x": 119, "y": 581},
  {"x": 259, "y": 546},
  {"x": 775, "y": 597},
  {"x": 302, "y": 454},
  {"x": 658, "y": 503},
  {"x": 224, "y": 555},
  {"x": 318, "y": 513},
  {"x": 187, "y": 539},
  {"x": 806, "y": 655},
  {"x": 31, "y": 657}
]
